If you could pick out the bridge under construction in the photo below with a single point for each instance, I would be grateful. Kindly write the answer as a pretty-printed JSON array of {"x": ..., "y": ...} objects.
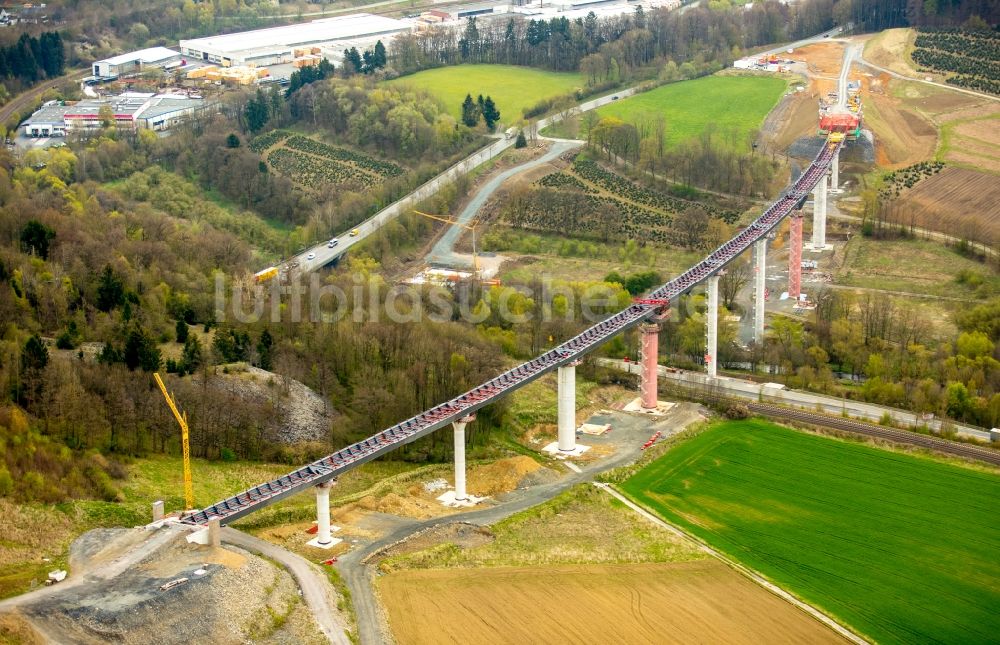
[{"x": 645, "y": 313}]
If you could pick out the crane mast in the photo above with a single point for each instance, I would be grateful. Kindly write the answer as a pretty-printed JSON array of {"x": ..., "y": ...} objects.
[{"x": 185, "y": 445}]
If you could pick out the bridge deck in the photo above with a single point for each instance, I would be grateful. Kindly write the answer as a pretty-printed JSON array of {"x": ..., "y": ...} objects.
[{"x": 329, "y": 467}]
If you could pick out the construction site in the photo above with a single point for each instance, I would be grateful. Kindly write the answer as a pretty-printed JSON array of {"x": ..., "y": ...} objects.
[{"x": 337, "y": 544}]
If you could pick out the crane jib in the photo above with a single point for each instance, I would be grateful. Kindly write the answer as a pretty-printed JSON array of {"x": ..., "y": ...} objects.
[{"x": 339, "y": 462}]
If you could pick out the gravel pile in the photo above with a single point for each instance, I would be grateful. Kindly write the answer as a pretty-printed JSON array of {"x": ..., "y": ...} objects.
[{"x": 302, "y": 413}]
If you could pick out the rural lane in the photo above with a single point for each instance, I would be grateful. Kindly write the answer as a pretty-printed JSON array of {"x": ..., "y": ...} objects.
[
  {"x": 443, "y": 249},
  {"x": 775, "y": 393},
  {"x": 954, "y": 88},
  {"x": 315, "y": 588},
  {"x": 749, "y": 573}
]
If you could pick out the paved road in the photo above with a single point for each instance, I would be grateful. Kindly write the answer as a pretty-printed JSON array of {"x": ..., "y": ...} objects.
[
  {"x": 953, "y": 88},
  {"x": 443, "y": 250},
  {"x": 795, "y": 398},
  {"x": 852, "y": 53},
  {"x": 749, "y": 573},
  {"x": 315, "y": 588},
  {"x": 781, "y": 49},
  {"x": 323, "y": 255},
  {"x": 359, "y": 577}
]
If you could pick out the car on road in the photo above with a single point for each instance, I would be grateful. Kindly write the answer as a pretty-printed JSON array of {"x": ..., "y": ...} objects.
[
  {"x": 311, "y": 256},
  {"x": 354, "y": 233},
  {"x": 615, "y": 97},
  {"x": 332, "y": 243}
]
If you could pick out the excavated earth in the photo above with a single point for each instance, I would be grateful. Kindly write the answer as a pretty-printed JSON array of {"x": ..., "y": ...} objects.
[{"x": 238, "y": 598}]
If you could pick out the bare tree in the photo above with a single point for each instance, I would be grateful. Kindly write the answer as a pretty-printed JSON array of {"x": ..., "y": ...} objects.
[
  {"x": 736, "y": 277},
  {"x": 689, "y": 227}
]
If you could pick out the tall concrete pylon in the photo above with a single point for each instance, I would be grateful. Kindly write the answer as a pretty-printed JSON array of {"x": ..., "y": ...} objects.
[
  {"x": 835, "y": 172},
  {"x": 650, "y": 343},
  {"x": 712, "y": 326},
  {"x": 795, "y": 255},
  {"x": 759, "y": 288},
  {"x": 819, "y": 215},
  {"x": 567, "y": 407},
  {"x": 323, "y": 538},
  {"x": 459, "y": 427}
]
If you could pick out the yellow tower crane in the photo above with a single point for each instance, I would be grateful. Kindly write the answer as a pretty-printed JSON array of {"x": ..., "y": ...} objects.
[
  {"x": 470, "y": 227},
  {"x": 185, "y": 445}
]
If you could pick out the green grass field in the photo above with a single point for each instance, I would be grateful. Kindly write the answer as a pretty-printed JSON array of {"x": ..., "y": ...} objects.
[
  {"x": 901, "y": 548},
  {"x": 730, "y": 103},
  {"x": 512, "y": 88}
]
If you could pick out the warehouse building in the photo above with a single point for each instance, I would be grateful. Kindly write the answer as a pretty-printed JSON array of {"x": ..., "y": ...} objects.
[
  {"x": 132, "y": 110},
  {"x": 277, "y": 45},
  {"x": 134, "y": 62}
]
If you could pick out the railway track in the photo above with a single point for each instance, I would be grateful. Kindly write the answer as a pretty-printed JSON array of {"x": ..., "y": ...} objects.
[{"x": 970, "y": 451}]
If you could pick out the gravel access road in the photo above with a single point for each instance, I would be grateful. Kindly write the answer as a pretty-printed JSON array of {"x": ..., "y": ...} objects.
[{"x": 315, "y": 588}]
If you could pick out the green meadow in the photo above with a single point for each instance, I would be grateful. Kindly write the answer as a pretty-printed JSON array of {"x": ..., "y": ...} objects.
[{"x": 902, "y": 548}]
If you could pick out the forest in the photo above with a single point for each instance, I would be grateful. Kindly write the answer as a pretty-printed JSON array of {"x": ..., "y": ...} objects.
[{"x": 32, "y": 59}]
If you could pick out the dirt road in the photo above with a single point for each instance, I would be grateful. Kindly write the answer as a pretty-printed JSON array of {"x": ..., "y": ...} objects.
[{"x": 315, "y": 588}]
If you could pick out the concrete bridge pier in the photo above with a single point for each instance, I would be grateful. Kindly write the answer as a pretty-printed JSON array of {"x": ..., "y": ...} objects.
[
  {"x": 459, "y": 427},
  {"x": 759, "y": 287},
  {"x": 650, "y": 344},
  {"x": 567, "y": 407},
  {"x": 819, "y": 215},
  {"x": 795, "y": 255},
  {"x": 323, "y": 538},
  {"x": 835, "y": 172},
  {"x": 712, "y": 326}
]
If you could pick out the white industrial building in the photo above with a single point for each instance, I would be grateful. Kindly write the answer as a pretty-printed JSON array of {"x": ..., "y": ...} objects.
[
  {"x": 131, "y": 110},
  {"x": 134, "y": 62},
  {"x": 277, "y": 45}
]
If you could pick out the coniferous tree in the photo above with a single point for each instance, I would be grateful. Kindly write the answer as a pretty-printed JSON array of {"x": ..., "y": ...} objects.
[
  {"x": 256, "y": 112},
  {"x": 264, "y": 348},
  {"x": 491, "y": 115},
  {"x": 354, "y": 58},
  {"x": 181, "y": 330},
  {"x": 110, "y": 290},
  {"x": 35, "y": 238},
  {"x": 379, "y": 57},
  {"x": 470, "y": 112},
  {"x": 141, "y": 351},
  {"x": 191, "y": 357}
]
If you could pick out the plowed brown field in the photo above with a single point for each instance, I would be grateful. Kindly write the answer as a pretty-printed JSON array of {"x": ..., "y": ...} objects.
[
  {"x": 956, "y": 201},
  {"x": 690, "y": 602}
]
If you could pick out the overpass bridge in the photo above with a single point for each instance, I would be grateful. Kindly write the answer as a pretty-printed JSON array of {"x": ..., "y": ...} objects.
[{"x": 461, "y": 409}]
